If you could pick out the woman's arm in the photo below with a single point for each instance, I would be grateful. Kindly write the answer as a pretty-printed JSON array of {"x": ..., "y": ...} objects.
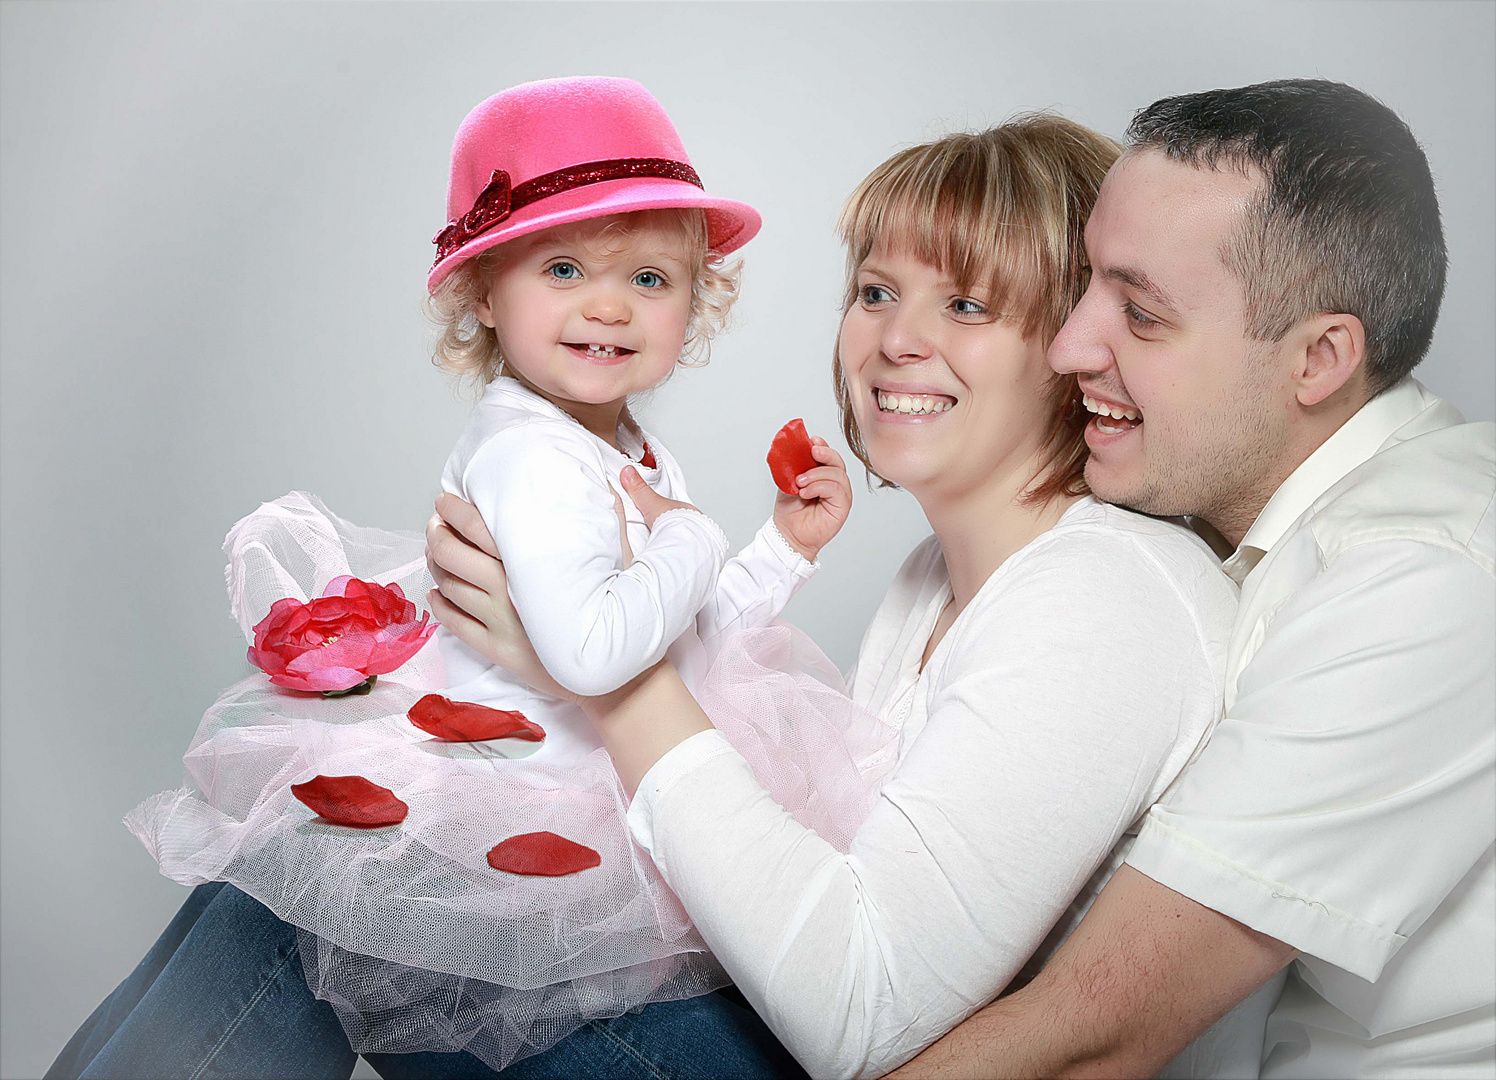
[{"x": 1043, "y": 744}]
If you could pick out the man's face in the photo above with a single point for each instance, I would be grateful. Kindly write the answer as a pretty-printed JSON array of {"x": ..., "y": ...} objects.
[{"x": 1195, "y": 412}]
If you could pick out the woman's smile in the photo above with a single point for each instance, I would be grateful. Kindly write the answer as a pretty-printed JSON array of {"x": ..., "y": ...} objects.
[{"x": 899, "y": 403}]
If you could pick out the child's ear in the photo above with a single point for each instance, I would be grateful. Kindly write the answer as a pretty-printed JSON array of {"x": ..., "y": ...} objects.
[{"x": 484, "y": 313}]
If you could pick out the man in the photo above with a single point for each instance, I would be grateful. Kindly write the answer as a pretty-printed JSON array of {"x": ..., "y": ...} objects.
[{"x": 1267, "y": 267}]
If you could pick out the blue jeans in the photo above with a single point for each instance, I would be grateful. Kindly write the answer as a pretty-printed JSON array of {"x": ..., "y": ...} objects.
[{"x": 222, "y": 995}]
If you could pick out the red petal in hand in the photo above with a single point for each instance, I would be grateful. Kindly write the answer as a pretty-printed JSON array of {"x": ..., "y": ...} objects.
[
  {"x": 351, "y": 801},
  {"x": 461, "y": 721},
  {"x": 789, "y": 455},
  {"x": 542, "y": 853},
  {"x": 647, "y": 459}
]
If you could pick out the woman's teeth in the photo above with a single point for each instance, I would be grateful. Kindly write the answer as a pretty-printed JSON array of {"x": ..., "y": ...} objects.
[
  {"x": 1104, "y": 410},
  {"x": 914, "y": 403}
]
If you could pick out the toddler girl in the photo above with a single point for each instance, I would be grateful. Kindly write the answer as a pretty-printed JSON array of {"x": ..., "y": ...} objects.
[{"x": 581, "y": 261}]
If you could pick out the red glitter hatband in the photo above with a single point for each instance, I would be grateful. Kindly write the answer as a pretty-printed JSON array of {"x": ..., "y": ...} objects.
[{"x": 498, "y": 200}]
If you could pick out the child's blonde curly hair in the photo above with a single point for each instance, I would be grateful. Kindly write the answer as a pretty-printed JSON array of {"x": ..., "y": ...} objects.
[{"x": 469, "y": 351}]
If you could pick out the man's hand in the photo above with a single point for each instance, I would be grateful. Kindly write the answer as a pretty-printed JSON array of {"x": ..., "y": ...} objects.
[
  {"x": 810, "y": 519},
  {"x": 471, "y": 598}
]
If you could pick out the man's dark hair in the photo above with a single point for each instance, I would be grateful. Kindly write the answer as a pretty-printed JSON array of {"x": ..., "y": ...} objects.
[{"x": 1347, "y": 220}]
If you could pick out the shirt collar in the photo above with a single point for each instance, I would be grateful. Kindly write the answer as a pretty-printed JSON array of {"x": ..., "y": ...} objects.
[{"x": 1354, "y": 443}]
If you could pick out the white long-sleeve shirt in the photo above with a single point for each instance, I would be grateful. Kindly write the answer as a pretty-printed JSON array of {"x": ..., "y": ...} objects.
[
  {"x": 545, "y": 487},
  {"x": 1060, "y": 704}
]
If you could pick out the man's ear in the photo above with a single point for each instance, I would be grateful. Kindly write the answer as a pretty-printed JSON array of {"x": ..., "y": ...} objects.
[{"x": 1332, "y": 354}]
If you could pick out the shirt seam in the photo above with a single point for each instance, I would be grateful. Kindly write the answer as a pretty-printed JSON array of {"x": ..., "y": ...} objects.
[
  {"x": 1434, "y": 538},
  {"x": 1278, "y": 890}
]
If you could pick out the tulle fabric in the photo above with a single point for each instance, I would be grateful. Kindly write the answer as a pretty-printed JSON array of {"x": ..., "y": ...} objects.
[{"x": 415, "y": 941}]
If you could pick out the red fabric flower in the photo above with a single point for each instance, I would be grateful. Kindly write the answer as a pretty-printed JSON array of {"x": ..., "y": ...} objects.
[
  {"x": 542, "y": 853},
  {"x": 354, "y": 630},
  {"x": 462, "y": 721},
  {"x": 351, "y": 801},
  {"x": 789, "y": 455}
]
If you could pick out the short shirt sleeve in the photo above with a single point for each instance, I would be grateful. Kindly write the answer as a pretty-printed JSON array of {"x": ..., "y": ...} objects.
[{"x": 1352, "y": 784}]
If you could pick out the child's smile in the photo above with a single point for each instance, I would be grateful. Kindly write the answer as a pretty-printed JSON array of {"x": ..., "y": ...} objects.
[
  {"x": 596, "y": 353},
  {"x": 588, "y": 314}
]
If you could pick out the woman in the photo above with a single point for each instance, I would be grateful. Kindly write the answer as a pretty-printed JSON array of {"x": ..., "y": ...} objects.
[{"x": 1047, "y": 663}]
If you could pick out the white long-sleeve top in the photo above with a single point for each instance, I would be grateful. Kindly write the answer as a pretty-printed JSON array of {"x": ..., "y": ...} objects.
[
  {"x": 545, "y": 487},
  {"x": 1060, "y": 704}
]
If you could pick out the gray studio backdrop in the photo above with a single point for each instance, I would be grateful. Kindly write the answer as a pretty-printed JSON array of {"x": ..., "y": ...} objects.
[{"x": 216, "y": 225}]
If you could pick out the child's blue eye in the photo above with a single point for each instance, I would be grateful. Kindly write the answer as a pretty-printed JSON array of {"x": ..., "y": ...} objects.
[
  {"x": 965, "y": 306},
  {"x": 649, "y": 279},
  {"x": 564, "y": 271}
]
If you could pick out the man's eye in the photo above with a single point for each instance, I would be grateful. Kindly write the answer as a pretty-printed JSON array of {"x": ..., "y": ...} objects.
[
  {"x": 649, "y": 279},
  {"x": 872, "y": 295},
  {"x": 1137, "y": 317},
  {"x": 564, "y": 271}
]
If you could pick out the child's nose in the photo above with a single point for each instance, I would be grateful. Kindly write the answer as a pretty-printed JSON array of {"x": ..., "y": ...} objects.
[{"x": 607, "y": 306}]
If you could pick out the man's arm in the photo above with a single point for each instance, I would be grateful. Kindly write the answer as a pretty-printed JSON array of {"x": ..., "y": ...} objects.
[{"x": 1143, "y": 975}]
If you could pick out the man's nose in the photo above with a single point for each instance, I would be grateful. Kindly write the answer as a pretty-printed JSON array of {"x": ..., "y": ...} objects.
[{"x": 1081, "y": 344}]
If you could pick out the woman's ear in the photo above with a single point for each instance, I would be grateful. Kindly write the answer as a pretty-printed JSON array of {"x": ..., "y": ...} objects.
[{"x": 1334, "y": 355}]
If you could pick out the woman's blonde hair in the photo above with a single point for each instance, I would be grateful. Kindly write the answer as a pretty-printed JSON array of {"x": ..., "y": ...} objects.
[
  {"x": 1005, "y": 209},
  {"x": 469, "y": 351}
]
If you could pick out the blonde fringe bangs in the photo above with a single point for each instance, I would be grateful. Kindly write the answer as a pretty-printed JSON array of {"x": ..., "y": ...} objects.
[{"x": 469, "y": 351}]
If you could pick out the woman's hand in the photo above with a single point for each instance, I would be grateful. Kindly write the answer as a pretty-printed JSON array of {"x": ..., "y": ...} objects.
[
  {"x": 810, "y": 519},
  {"x": 471, "y": 598},
  {"x": 640, "y": 721}
]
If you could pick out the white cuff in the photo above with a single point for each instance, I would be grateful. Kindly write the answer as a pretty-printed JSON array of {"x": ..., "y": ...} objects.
[
  {"x": 690, "y": 513},
  {"x": 679, "y": 760},
  {"x": 785, "y": 551}
]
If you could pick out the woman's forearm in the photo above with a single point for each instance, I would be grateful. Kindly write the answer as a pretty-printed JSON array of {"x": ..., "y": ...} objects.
[{"x": 645, "y": 719}]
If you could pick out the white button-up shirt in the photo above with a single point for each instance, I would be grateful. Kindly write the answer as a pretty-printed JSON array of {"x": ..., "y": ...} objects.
[{"x": 1346, "y": 804}]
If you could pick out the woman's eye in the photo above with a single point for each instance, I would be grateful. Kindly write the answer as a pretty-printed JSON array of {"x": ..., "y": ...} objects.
[
  {"x": 872, "y": 295},
  {"x": 649, "y": 279},
  {"x": 1138, "y": 319},
  {"x": 564, "y": 271}
]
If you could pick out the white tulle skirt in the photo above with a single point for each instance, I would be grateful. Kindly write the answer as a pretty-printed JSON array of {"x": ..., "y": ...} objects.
[{"x": 406, "y": 930}]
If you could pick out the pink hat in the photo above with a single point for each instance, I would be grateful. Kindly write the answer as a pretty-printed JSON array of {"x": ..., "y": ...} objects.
[{"x": 561, "y": 150}]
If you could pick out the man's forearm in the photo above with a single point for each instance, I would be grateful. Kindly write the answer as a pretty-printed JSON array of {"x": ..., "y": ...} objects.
[{"x": 1145, "y": 973}]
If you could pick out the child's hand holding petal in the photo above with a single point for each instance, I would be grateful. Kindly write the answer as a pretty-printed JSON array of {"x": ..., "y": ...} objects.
[{"x": 809, "y": 519}]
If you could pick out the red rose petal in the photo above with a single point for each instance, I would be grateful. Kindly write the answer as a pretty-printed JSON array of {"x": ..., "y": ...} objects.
[
  {"x": 647, "y": 459},
  {"x": 789, "y": 455},
  {"x": 542, "y": 854},
  {"x": 351, "y": 801},
  {"x": 461, "y": 721}
]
